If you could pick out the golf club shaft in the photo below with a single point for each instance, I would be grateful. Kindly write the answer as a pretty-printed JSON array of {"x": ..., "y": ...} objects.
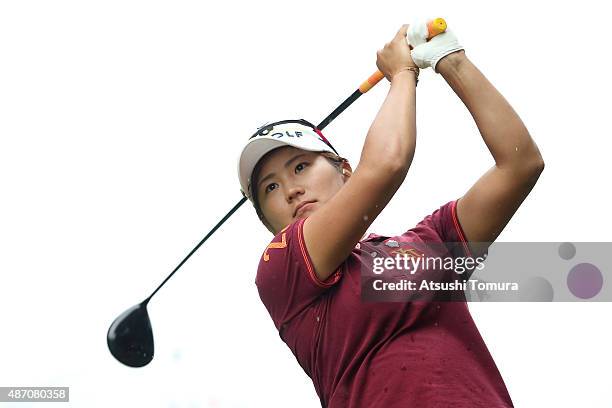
[
  {"x": 365, "y": 87},
  {"x": 212, "y": 231}
]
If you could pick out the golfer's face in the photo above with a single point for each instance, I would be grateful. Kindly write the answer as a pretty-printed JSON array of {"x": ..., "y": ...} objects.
[{"x": 289, "y": 177}]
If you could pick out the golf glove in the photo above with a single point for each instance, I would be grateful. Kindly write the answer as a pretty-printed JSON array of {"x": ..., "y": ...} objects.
[{"x": 429, "y": 53}]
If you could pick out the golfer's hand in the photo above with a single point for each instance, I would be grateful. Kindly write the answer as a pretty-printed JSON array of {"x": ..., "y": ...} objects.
[
  {"x": 395, "y": 56},
  {"x": 429, "y": 53}
]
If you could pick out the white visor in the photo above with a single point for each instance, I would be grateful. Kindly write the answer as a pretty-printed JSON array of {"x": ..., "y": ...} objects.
[{"x": 269, "y": 138}]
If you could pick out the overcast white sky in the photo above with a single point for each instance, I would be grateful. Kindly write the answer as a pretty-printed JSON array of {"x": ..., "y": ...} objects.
[{"x": 120, "y": 126}]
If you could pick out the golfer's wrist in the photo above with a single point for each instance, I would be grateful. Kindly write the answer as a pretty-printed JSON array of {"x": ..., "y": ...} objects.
[
  {"x": 451, "y": 62},
  {"x": 405, "y": 75}
]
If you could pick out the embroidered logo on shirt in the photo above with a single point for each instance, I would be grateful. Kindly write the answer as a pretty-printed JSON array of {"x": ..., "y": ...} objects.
[
  {"x": 410, "y": 252},
  {"x": 392, "y": 243}
]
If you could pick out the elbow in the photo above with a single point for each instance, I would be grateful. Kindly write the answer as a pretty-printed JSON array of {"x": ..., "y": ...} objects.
[
  {"x": 397, "y": 167},
  {"x": 531, "y": 170},
  {"x": 398, "y": 161},
  {"x": 389, "y": 152},
  {"x": 529, "y": 163},
  {"x": 393, "y": 170},
  {"x": 389, "y": 164},
  {"x": 536, "y": 164},
  {"x": 534, "y": 161},
  {"x": 389, "y": 172},
  {"x": 528, "y": 169},
  {"x": 540, "y": 167}
]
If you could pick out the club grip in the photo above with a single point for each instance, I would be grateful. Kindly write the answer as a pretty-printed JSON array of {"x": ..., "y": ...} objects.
[{"x": 434, "y": 27}]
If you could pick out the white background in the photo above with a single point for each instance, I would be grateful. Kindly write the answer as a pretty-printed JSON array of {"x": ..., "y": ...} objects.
[{"x": 120, "y": 126}]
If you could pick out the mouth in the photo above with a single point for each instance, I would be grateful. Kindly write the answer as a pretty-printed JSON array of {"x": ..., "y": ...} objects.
[{"x": 300, "y": 206}]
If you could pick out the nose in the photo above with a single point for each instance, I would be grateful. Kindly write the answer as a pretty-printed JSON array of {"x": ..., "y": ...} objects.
[{"x": 294, "y": 191}]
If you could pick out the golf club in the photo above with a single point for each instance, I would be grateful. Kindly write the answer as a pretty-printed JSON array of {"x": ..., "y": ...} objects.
[{"x": 130, "y": 336}]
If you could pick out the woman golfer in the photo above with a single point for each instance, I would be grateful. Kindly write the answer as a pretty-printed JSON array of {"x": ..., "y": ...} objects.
[{"x": 382, "y": 354}]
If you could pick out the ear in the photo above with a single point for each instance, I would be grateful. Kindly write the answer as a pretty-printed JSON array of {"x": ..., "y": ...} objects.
[{"x": 347, "y": 171}]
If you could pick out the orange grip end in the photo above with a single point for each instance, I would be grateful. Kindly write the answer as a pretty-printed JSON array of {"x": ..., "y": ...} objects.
[
  {"x": 371, "y": 81},
  {"x": 435, "y": 27}
]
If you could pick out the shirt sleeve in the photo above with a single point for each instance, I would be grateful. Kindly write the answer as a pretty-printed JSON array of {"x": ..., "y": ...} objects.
[
  {"x": 286, "y": 280},
  {"x": 445, "y": 223}
]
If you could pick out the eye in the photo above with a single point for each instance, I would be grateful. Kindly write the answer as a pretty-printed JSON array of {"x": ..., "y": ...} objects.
[
  {"x": 267, "y": 189},
  {"x": 300, "y": 166}
]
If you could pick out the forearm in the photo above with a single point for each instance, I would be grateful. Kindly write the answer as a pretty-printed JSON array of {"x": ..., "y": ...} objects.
[
  {"x": 391, "y": 139},
  {"x": 502, "y": 129}
]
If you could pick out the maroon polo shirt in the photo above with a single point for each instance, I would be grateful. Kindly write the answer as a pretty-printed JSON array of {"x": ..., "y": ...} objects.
[{"x": 377, "y": 354}]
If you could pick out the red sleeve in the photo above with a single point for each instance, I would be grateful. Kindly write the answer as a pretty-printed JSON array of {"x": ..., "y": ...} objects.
[
  {"x": 444, "y": 221},
  {"x": 286, "y": 279}
]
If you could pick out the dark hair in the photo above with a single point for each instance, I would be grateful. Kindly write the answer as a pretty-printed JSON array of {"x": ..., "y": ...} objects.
[{"x": 333, "y": 158}]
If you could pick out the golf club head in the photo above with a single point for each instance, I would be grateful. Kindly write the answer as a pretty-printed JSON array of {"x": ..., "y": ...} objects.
[{"x": 130, "y": 337}]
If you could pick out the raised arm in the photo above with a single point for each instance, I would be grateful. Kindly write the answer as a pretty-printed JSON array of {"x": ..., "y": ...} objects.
[
  {"x": 490, "y": 203},
  {"x": 331, "y": 232}
]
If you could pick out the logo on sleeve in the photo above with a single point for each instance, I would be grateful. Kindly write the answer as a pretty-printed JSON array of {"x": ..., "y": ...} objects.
[{"x": 276, "y": 245}]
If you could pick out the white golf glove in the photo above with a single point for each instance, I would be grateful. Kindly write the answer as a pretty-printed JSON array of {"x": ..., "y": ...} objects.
[{"x": 428, "y": 53}]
